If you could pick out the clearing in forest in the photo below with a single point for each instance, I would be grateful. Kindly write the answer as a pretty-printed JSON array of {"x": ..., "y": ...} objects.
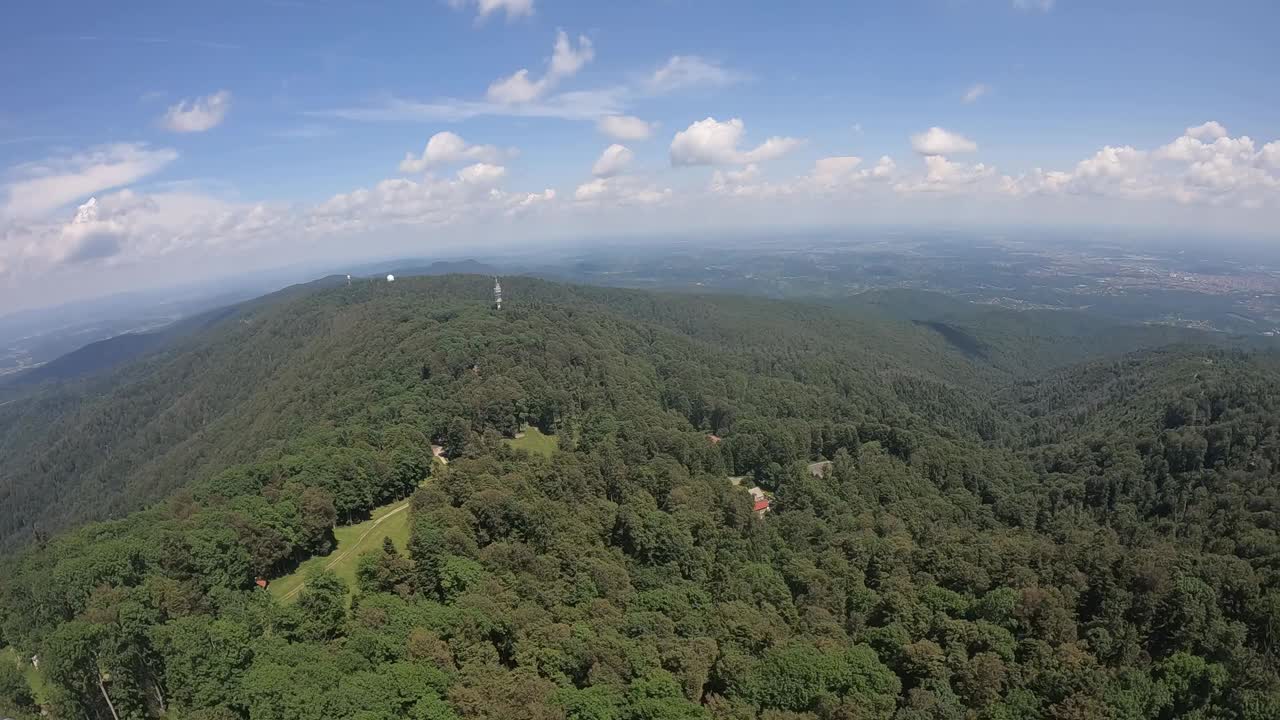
[
  {"x": 35, "y": 680},
  {"x": 535, "y": 441},
  {"x": 391, "y": 520}
]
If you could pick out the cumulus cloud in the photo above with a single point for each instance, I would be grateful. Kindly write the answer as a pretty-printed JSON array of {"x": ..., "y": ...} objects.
[
  {"x": 624, "y": 127},
  {"x": 973, "y": 93},
  {"x": 613, "y": 161},
  {"x": 198, "y": 115},
  {"x": 566, "y": 61},
  {"x": 747, "y": 183},
  {"x": 127, "y": 227},
  {"x": 482, "y": 174},
  {"x": 1205, "y": 165},
  {"x": 52, "y": 183},
  {"x": 943, "y": 175},
  {"x": 485, "y": 8},
  {"x": 470, "y": 194},
  {"x": 524, "y": 203},
  {"x": 937, "y": 141},
  {"x": 446, "y": 148},
  {"x": 847, "y": 171},
  {"x": 1037, "y": 5},
  {"x": 1211, "y": 130},
  {"x": 711, "y": 142},
  {"x": 687, "y": 71},
  {"x": 620, "y": 191},
  {"x": 830, "y": 175}
]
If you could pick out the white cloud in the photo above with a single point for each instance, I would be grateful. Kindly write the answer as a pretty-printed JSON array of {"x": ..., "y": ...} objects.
[
  {"x": 943, "y": 175},
  {"x": 523, "y": 94},
  {"x": 517, "y": 88},
  {"x": 445, "y": 148},
  {"x": 711, "y": 142},
  {"x": 125, "y": 227},
  {"x": 52, "y": 183},
  {"x": 591, "y": 190},
  {"x": 620, "y": 191},
  {"x": 972, "y": 94},
  {"x": 527, "y": 202},
  {"x": 833, "y": 170},
  {"x": 837, "y": 174},
  {"x": 485, "y": 8},
  {"x": 841, "y": 172},
  {"x": 575, "y": 105},
  {"x": 198, "y": 115},
  {"x": 624, "y": 127},
  {"x": 1040, "y": 5},
  {"x": 746, "y": 175},
  {"x": 1211, "y": 130},
  {"x": 687, "y": 71},
  {"x": 472, "y": 194},
  {"x": 613, "y": 161},
  {"x": 1270, "y": 155},
  {"x": 482, "y": 174},
  {"x": 566, "y": 61},
  {"x": 747, "y": 183},
  {"x": 1227, "y": 178},
  {"x": 1203, "y": 166},
  {"x": 937, "y": 141}
]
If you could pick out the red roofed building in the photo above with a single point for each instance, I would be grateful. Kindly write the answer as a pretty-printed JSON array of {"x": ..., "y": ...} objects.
[{"x": 760, "y": 502}]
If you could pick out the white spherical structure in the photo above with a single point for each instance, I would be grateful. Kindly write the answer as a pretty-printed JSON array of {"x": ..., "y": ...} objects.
[{"x": 391, "y": 278}]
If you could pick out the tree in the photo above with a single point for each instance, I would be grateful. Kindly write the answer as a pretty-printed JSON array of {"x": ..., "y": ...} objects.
[
  {"x": 204, "y": 660},
  {"x": 15, "y": 694},
  {"x": 426, "y": 549},
  {"x": 384, "y": 570},
  {"x": 323, "y": 606}
]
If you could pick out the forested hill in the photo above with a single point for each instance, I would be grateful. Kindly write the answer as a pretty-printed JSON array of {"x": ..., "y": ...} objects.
[
  {"x": 989, "y": 540},
  {"x": 317, "y": 360}
]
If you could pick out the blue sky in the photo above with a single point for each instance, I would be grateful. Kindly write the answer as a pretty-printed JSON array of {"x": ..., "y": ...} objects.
[{"x": 218, "y": 136}]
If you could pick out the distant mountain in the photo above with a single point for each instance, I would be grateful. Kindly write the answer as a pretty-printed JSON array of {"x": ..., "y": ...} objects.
[
  {"x": 448, "y": 267},
  {"x": 106, "y": 354},
  {"x": 103, "y": 355}
]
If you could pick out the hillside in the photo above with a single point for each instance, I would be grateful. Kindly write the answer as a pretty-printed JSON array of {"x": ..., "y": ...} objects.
[
  {"x": 273, "y": 370},
  {"x": 229, "y": 385},
  {"x": 992, "y": 539},
  {"x": 106, "y": 354},
  {"x": 1029, "y": 342}
]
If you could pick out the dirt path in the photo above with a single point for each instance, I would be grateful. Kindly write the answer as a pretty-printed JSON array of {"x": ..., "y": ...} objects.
[{"x": 354, "y": 546}]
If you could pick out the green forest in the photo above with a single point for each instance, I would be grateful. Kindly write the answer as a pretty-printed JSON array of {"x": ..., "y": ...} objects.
[{"x": 1024, "y": 516}]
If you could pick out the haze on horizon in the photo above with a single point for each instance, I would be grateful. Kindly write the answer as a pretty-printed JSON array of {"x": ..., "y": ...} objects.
[{"x": 164, "y": 143}]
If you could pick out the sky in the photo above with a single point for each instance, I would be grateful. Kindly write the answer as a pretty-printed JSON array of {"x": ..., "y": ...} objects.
[{"x": 146, "y": 144}]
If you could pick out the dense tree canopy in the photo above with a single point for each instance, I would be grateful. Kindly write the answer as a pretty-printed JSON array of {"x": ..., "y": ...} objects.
[{"x": 988, "y": 541}]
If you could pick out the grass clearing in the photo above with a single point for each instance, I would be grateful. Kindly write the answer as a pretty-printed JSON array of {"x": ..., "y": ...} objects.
[
  {"x": 35, "y": 680},
  {"x": 388, "y": 521},
  {"x": 535, "y": 441}
]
